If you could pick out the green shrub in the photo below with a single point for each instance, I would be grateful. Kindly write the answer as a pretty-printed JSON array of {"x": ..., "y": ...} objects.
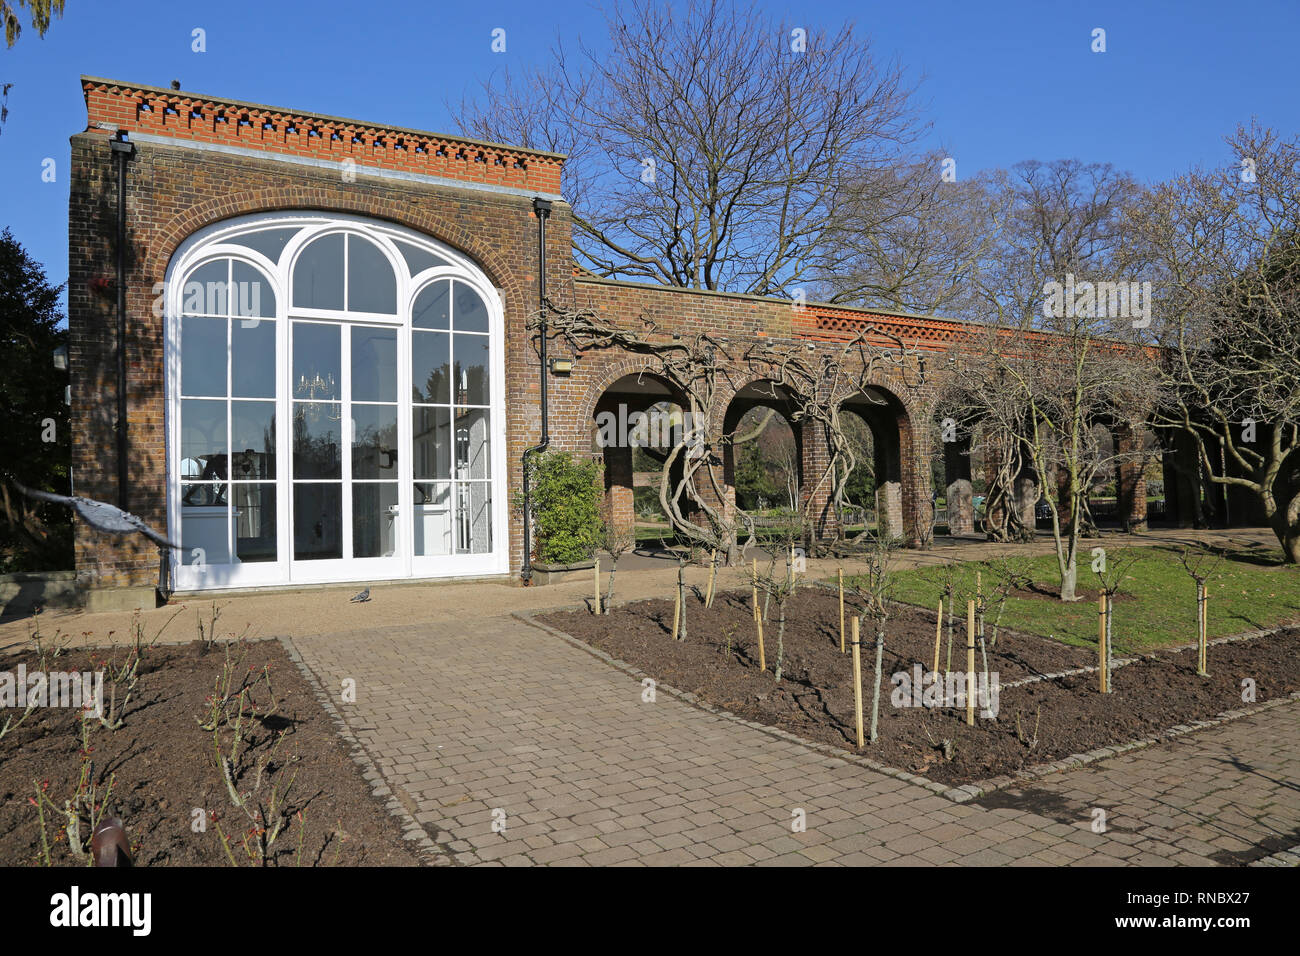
[{"x": 567, "y": 494}]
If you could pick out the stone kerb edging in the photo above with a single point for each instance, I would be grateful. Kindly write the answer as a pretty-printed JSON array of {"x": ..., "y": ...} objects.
[
  {"x": 412, "y": 830},
  {"x": 960, "y": 794}
]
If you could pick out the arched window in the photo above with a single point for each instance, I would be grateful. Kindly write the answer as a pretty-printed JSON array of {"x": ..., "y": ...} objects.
[{"x": 334, "y": 402}]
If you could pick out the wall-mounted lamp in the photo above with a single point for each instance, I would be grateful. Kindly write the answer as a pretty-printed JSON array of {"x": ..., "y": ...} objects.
[
  {"x": 61, "y": 358},
  {"x": 561, "y": 366}
]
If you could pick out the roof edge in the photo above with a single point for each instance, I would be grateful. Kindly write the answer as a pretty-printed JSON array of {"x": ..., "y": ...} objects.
[{"x": 325, "y": 117}]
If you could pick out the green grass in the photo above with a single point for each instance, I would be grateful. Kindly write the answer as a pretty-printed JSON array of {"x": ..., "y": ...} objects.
[{"x": 1156, "y": 605}]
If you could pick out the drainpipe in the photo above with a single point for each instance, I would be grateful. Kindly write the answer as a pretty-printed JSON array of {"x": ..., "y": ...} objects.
[
  {"x": 542, "y": 208},
  {"x": 123, "y": 151}
]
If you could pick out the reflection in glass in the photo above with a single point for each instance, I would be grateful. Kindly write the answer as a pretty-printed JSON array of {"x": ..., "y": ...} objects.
[
  {"x": 432, "y": 518},
  {"x": 374, "y": 519},
  {"x": 417, "y": 259},
  {"x": 204, "y": 290},
  {"x": 254, "y": 521},
  {"x": 203, "y": 437},
  {"x": 269, "y": 242},
  {"x": 252, "y": 358},
  {"x": 204, "y": 534},
  {"x": 472, "y": 375},
  {"x": 473, "y": 444},
  {"x": 316, "y": 360},
  {"x": 431, "y": 306},
  {"x": 252, "y": 440},
  {"x": 473, "y": 517},
  {"x": 251, "y": 294},
  {"x": 431, "y": 367},
  {"x": 316, "y": 440},
  {"x": 372, "y": 285},
  {"x": 374, "y": 441},
  {"x": 203, "y": 356},
  {"x": 374, "y": 364},
  {"x": 431, "y": 442},
  {"x": 318, "y": 274},
  {"x": 317, "y": 521},
  {"x": 470, "y": 313}
]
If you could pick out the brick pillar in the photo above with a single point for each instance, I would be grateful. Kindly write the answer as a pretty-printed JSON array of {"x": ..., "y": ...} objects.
[
  {"x": 814, "y": 459},
  {"x": 1130, "y": 479},
  {"x": 961, "y": 508},
  {"x": 889, "y": 509},
  {"x": 619, "y": 510},
  {"x": 961, "y": 501}
]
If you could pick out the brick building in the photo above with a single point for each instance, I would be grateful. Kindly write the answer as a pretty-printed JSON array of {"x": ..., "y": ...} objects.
[{"x": 328, "y": 375}]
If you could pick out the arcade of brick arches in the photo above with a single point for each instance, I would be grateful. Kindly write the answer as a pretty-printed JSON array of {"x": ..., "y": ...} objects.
[{"x": 368, "y": 418}]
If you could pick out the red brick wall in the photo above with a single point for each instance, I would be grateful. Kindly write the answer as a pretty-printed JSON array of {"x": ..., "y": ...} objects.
[
  {"x": 177, "y": 188},
  {"x": 173, "y": 191},
  {"x": 182, "y": 115}
]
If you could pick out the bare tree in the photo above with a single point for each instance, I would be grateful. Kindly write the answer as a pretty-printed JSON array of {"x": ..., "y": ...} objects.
[
  {"x": 1227, "y": 244},
  {"x": 912, "y": 239},
  {"x": 1054, "y": 367},
  {"x": 814, "y": 385},
  {"x": 709, "y": 145}
]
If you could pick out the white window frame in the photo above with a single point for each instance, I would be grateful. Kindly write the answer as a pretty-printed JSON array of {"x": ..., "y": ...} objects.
[{"x": 214, "y": 242}]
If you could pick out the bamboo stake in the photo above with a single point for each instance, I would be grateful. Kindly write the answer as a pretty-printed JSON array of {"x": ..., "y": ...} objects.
[
  {"x": 762, "y": 657},
  {"x": 677, "y": 610},
  {"x": 857, "y": 681},
  {"x": 713, "y": 571},
  {"x": 1205, "y": 627},
  {"x": 841, "y": 610},
  {"x": 1104, "y": 675},
  {"x": 970, "y": 663},
  {"x": 754, "y": 581},
  {"x": 596, "y": 606}
]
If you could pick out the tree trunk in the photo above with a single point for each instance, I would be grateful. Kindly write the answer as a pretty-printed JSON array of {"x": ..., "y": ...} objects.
[
  {"x": 1286, "y": 525},
  {"x": 780, "y": 640}
]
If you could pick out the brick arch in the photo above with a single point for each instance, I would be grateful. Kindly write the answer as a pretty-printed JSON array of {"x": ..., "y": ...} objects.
[
  {"x": 609, "y": 374},
  {"x": 319, "y": 200}
]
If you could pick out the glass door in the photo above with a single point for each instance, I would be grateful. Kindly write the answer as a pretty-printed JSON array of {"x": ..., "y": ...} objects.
[
  {"x": 345, "y": 468},
  {"x": 451, "y": 430}
]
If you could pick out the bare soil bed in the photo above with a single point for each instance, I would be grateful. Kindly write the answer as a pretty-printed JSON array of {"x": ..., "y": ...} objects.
[
  {"x": 165, "y": 769},
  {"x": 1037, "y": 722}
]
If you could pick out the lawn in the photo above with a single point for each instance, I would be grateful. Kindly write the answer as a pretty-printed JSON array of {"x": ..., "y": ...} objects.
[{"x": 1156, "y": 606}]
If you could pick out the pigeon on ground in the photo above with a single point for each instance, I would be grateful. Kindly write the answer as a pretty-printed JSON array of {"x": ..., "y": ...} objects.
[
  {"x": 359, "y": 598},
  {"x": 100, "y": 515}
]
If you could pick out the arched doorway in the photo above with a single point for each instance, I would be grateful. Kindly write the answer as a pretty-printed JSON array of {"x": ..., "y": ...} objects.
[
  {"x": 636, "y": 423},
  {"x": 884, "y": 416},
  {"x": 763, "y": 452}
]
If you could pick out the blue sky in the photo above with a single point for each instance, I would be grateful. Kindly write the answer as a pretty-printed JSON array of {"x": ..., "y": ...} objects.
[{"x": 1001, "y": 81}]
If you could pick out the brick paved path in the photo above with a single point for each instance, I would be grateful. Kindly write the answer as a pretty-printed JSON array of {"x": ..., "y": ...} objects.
[{"x": 494, "y": 714}]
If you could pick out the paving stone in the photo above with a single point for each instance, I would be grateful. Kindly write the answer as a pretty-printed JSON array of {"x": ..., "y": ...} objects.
[{"x": 520, "y": 720}]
